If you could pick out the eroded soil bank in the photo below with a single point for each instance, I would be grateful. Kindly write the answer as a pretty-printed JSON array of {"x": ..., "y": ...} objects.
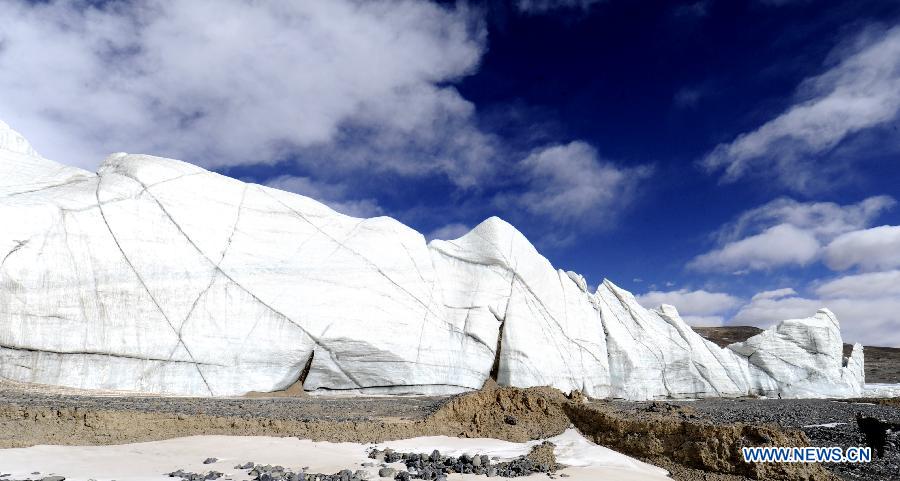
[{"x": 693, "y": 440}]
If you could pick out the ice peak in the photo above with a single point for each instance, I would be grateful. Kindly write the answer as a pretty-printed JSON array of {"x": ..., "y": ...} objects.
[{"x": 15, "y": 142}]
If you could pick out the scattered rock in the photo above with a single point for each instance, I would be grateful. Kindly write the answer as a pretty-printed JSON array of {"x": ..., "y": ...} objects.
[
  {"x": 436, "y": 467},
  {"x": 387, "y": 472},
  {"x": 543, "y": 455},
  {"x": 187, "y": 476},
  {"x": 210, "y": 460}
]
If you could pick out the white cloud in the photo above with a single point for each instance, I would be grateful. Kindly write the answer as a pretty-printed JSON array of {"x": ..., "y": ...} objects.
[
  {"x": 450, "y": 231},
  {"x": 765, "y": 311},
  {"x": 870, "y": 249},
  {"x": 569, "y": 185},
  {"x": 785, "y": 232},
  {"x": 224, "y": 83},
  {"x": 543, "y": 6},
  {"x": 698, "y": 308},
  {"x": 704, "y": 321},
  {"x": 860, "y": 92},
  {"x": 870, "y": 284},
  {"x": 871, "y": 320},
  {"x": 777, "y": 246},
  {"x": 775, "y": 294},
  {"x": 825, "y": 220},
  {"x": 332, "y": 195}
]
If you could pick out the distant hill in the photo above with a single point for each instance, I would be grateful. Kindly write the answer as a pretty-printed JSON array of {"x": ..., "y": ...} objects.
[{"x": 882, "y": 363}]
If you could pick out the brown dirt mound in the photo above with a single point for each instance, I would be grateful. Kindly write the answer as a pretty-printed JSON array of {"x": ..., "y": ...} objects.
[
  {"x": 664, "y": 436},
  {"x": 512, "y": 414}
]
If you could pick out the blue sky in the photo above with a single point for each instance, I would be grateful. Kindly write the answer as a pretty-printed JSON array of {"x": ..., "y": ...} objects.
[{"x": 740, "y": 160}]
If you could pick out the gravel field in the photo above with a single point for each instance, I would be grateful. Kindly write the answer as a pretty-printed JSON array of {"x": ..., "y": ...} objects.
[
  {"x": 60, "y": 417},
  {"x": 319, "y": 408}
]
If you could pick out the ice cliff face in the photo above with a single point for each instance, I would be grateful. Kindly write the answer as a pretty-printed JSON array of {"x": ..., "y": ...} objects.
[{"x": 155, "y": 275}]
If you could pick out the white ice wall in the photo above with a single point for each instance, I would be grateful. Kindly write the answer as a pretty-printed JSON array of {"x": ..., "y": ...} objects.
[{"x": 155, "y": 275}]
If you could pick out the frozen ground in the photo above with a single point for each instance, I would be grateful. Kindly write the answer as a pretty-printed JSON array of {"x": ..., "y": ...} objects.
[
  {"x": 149, "y": 461},
  {"x": 881, "y": 390}
]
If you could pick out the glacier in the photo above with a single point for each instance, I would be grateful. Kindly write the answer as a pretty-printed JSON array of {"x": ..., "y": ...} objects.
[{"x": 155, "y": 275}]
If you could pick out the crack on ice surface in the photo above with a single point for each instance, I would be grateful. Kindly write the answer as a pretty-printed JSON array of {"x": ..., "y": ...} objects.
[
  {"x": 340, "y": 244},
  {"x": 388, "y": 386},
  {"x": 370, "y": 263},
  {"x": 19, "y": 245},
  {"x": 495, "y": 367},
  {"x": 814, "y": 351},
  {"x": 683, "y": 334},
  {"x": 216, "y": 270},
  {"x": 759, "y": 354},
  {"x": 662, "y": 363},
  {"x": 147, "y": 289},
  {"x": 41, "y": 189},
  {"x": 531, "y": 299},
  {"x": 230, "y": 279},
  {"x": 709, "y": 347},
  {"x": 101, "y": 353}
]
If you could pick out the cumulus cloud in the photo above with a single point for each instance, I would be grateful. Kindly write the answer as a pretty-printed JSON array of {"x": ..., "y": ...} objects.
[
  {"x": 774, "y": 294},
  {"x": 870, "y": 249},
  {"x": 765, "y": 311},
  {"x": 860, "y": 92},
  {"x": 867, "y": 285},
  {"x": 332, "y": 195},
  {"x": 871, "y": 320},
  {"x": 698, "y": 308},
  {"x": 786, "y": 232},
  {"x": 223, "y": 83},
  {"x": 777, "y": 246},
  {"x": 824, "y": 220},
  {"x": 570, "y": 185}
]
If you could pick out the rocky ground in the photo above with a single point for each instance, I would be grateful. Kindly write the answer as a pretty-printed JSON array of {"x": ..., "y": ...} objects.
[
  {"x": 305, "y": 408},
  {"x": 695, "y": 440},
  {"x": 882, "y": 363},
  {"x": 822, "y": 423}
]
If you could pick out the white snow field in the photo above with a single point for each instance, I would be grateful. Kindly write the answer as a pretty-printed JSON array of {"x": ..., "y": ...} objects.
[
  {"x": 155, "y": 275},
  {"x": 881, "y": 390},
  {"x": 149, "y": 461}
]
